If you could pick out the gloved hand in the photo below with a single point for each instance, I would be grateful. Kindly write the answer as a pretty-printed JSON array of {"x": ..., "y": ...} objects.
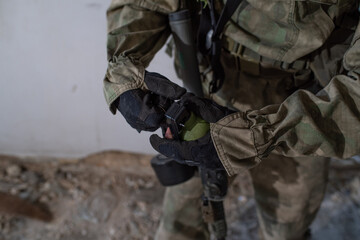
[
  {"x": 200, "y": 152},
  {"x": 205, "y": 108},
  {"x": 144, "y": 110}
]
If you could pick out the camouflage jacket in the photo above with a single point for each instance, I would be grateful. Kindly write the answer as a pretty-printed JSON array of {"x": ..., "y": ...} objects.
[{"x": 326, "y": 124}]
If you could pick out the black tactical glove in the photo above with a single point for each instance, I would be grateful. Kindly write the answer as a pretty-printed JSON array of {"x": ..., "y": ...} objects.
[
  {"x": 200, "y": 152},
  {"x": 144, "y": 110},
  {"x": 205, "y": 108}
]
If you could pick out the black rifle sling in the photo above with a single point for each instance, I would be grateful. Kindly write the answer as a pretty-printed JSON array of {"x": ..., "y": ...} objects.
[{"x": 209, "y": 42}]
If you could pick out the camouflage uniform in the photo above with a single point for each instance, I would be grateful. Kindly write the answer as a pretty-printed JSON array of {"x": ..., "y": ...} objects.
[{"x": 276, "y": 55}]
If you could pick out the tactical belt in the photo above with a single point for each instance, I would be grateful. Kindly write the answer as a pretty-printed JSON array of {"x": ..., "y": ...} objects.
[{"x": 251, "y": 62}]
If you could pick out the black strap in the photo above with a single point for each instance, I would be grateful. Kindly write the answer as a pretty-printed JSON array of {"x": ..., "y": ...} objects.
[
  {"x": 209, "y": 42},
  {"x": 228, "y": 10}
]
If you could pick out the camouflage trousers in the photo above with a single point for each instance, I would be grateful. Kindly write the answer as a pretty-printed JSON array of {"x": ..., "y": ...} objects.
[{"x": 288, "y": 191}]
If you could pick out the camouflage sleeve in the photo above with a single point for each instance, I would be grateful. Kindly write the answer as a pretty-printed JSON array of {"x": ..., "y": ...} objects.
[
  {"x": 326, "y": 124},
  {"x": 137, "y": 29}
]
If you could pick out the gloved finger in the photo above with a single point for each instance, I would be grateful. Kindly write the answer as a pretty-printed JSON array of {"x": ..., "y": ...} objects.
[
  {"x": 139, "y": 111},
  {"x": 204, "y": 108},
  {"x": 178, "y": 150},
  {"x": 160, "y": 85},
  {"x": 161, "y": 103}
]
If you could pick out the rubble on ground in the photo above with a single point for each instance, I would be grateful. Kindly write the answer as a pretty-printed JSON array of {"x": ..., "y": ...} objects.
[{"x": 115, "y": 195}]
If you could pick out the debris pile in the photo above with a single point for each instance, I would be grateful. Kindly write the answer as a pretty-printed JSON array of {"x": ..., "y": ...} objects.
[{"x": 115, "y": 195}]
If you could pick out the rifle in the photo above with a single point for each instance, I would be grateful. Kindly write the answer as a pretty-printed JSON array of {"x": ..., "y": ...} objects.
[{"x": 186, "y": 126}]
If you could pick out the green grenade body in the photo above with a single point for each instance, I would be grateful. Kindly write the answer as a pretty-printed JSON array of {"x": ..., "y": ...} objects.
[{"x": 194, "y": 128}]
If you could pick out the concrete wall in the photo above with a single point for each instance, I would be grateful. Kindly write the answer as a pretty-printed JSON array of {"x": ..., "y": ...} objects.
[{"x": 52, "y": 62}]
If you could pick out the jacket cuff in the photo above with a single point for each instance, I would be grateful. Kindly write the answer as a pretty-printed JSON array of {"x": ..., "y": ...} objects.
[
  {"x": 234, "y": 142},
  {"x": 122, "y": 75}
]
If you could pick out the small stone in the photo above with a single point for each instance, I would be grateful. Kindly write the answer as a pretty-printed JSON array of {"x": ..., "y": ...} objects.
[
  {"x": 45, "y": 187},
  {"x": 336, "y": 197},
  {"x": 142, "y": 206},
  {"x": 112, "y": 231},
  {"x": 75, "y": 193},
  {"x": 130, "y": 183},
  {"x": 44, "y": 199},
  {"x": 66, "y": 184},
  {"x": 14, "y": 191},
  {"x": 52, "y": 195},
  {"x": 68, "y": 176},
  {"x": 24, "y": 194},
  {"x": 13, "y": 171},
  {"x": 242, "y": 199},
  {"x": 30, "y": 177},
  {"x": 149, "y": 184},
  {"x": 141, "y": 182},
  {"x": 155, "y": 215},
  {"x": 98, "y": 208}
]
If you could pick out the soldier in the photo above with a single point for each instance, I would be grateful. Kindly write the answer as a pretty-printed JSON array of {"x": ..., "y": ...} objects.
[{"x": 291, "y": 76}]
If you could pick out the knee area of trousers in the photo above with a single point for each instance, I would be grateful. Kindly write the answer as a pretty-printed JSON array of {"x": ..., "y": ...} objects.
[{"x": 273, "y": 229}]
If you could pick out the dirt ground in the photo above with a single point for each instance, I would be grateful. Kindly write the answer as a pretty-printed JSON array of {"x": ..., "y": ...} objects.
[{"x": 115, "y": 195}]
